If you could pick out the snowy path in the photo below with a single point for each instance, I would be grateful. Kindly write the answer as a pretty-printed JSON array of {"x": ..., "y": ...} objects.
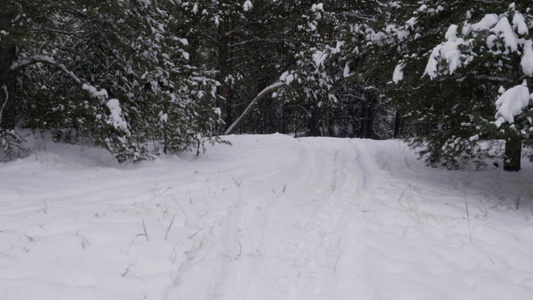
[{"x": 270, "y": 217}]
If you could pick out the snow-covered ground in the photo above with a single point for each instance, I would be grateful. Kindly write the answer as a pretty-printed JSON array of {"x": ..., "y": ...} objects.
[{"x": 270, "y": 217}]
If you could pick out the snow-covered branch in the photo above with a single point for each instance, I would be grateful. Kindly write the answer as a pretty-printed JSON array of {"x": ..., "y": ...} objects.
[
  {"x": 502, "y": 35},
  {"x": 511, "y": 103},
  {"x": 56, "y": 31},
  {"x": 489, "y": 1},
  {"x": 358, "y": 16},
  {"x": 492, "y": 78},
  {"x": 254, "y": 40},
  {"x": 269, "y": 89},
  {"x": 44, "y": 59}
]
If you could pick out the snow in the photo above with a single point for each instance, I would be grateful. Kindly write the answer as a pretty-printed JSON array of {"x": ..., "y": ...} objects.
[
  {"x": 500, "y": 29},
  {"x": 116, "y": 114},
  {"x": 270, "y": 217},
  {"x": 319, "y": 57},
  {"x": 451, "y": 33},
  {"x": 504, "y": 29},
  {"x": 474, "y": 138},
  {"x": 27, "y": 60},
  {"x": 432, "y": 65},
  {"x": 411, "y": 23},
  {"x": 163, "y": 117},
  {"x": 183, "y": 41},
  {"x": 94, "y": 91},
  {"x": 519, "y": 23},
  {"x": 490, "y": 41},
  {"x": 449, "y": 51},
  {"x": 287, "y": 77},
  {"x": 317, "y": 7},
  {"x": 247, "y": 5},
  {"x": 397, "y": 76},
  {"x": 527, "y": 58},
  {"x": 486, "y": 23},
  {"x": 346, "y": 72},
  {"x": 511, "y": 103}
]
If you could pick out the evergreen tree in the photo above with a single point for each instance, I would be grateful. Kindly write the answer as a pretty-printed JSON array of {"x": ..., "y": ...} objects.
[
  {"x": 115, "y": 73},
  {"x": 245, "y": 44},
  {"x": 309, "y": 84},
  {"x": 360, "y": 65},
  {"x": 479, "y": 60}
]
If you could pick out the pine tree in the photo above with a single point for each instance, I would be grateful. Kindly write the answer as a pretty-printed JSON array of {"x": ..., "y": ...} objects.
[
  {"x": 309, "y": 84},
  {"x": 484, "y": 58},
  {"x": 361, "y": 65},
  {"x": 113, "y": 73}
]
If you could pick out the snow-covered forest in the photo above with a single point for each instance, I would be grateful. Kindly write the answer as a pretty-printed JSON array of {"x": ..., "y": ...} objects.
[
  {"x": 266, "y": 149},
  {"x": 144, "y": 78}
]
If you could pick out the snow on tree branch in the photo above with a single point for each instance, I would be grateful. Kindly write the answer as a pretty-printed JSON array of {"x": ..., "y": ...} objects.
[
  {"x": 504, "y": 35},
  {"x": 116, "y": 119},
  {"x": 26, "y": 61},
  {"x": 44, "y": 59},
  {"x": 449, "y": 52},
  {"x": 94, "y": 91},
  {"x": 397, "y": 76},
  {"x": 116, "y": 115},
  {"x": 527, "y": 58},
  {"x": 269, "y": 89},
  {"x": 247, "y": 5},
  {"x": 457, "y": 50},
  {"x": 504, "y": 29},
  {"x": 511, "y": 103}
]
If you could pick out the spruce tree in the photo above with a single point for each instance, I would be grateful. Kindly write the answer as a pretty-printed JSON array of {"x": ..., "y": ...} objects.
[
  {"x": 479, "y": 70},
  {"x": 112, "y": 73},
  {"x": 361, "y": 66}
]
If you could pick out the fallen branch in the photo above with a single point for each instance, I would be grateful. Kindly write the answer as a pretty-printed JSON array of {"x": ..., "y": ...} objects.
[{"x": 264, "y": 92}]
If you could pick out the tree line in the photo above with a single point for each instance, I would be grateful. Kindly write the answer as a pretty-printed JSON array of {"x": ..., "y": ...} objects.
[{"x": 147, "y": 77}]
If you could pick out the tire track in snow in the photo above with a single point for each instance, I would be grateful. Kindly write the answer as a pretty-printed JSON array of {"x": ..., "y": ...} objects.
[{"x": 324, "y": 235}]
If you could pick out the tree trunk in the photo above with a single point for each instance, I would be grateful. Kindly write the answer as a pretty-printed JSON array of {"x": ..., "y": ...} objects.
[
  {"x": 7, "y": 105},
  {"x": 513, "y": 154},
  {"x": 397, "y": 125},
  {"x": 224, "y": 69},
  {"x": 367, "y": 117},
  {"x": 8, "y": 54},
  {"x": 314, "y": 121}
]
